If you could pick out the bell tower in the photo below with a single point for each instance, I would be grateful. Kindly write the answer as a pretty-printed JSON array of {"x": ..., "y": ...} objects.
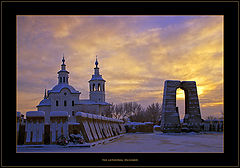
[
  {"x": 63, "y": 73},
  {"x": 97, "y": 86}
]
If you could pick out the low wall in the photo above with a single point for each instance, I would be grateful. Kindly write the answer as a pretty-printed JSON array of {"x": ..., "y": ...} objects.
[
  {"x": 92, "y": 127},
  {"x": 58, "y": 125},
  {"x": 95, "y": 127},
  {"x": 34, "y": 128},
  {"x": 216, "y": 126}
]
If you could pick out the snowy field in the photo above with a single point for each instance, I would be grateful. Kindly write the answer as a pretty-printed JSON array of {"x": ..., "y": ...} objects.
[{"x": 144, "y": 142}]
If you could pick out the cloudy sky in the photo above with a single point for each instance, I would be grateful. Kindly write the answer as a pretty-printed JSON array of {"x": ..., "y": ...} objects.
[{"x": 136, "y": 55}]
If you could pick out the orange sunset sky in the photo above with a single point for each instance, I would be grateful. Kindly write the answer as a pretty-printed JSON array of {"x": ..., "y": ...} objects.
[{"x": 136, "y": 54}]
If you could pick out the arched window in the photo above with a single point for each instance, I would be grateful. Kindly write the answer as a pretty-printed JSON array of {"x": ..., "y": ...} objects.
[
  {"x": 94, "y": 87},
  {"x": 67, "y": 80},
  {"x": 72, "y": 103},
  {"x": 63, "y": 79},
  {"x": 56, "y": 102},
  {"x": 103, "y": 87},
  {"x": 65, "y": 103},
  {"x": 90, "y": 87},
  {"x": 60, "y": 79},
  {"x": 99, "y": 87},
  {"x": 73, "y": 113}
]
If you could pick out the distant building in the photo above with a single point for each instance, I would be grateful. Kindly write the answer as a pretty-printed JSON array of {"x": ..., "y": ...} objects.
[{"x": 63, "y": 97}]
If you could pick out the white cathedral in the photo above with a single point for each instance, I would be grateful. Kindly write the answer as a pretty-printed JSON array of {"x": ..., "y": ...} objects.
[{"x": 63, "y": 97}]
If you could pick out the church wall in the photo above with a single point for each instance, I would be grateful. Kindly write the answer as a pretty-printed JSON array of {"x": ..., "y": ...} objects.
[
  {"x": 61, "y": 97},
  {"x": 97, "y": 96},
  {"x": 47, "y": 110}
]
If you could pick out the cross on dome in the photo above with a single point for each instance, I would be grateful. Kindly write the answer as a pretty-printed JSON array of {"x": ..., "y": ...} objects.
[
  {"x": 63, "y": 60},
  {"x": 96, "y": 62}
]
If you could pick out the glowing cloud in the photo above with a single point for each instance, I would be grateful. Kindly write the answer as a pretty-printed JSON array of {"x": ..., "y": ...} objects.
[{"x": 136, "y": 55}]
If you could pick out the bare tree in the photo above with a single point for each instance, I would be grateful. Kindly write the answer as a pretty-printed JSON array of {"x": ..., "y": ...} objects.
[
  {"x": 211, "y": 118},
  {"x": 153, "y": 112},
  {"x": 123, "y": 110},
  {"x": 135, "y": 112},
  {"x": 108, "y": 111}
]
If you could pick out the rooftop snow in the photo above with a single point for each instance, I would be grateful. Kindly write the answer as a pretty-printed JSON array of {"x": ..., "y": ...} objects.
[
  {"x": 73, "y": 123},
  {"x": 97, "y": 77},
  {"x": 44, "y": 102},
  {"x": 35, "y": 114},
  {"x": 59, "y": 87},
  {"x": 134, "y": 123},
  {"x": 81, "y": 114},
  {"x": 87, "y": 101}
]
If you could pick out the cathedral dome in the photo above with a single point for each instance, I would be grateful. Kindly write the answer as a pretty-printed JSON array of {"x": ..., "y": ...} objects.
[
  {"x": 45, "y": 102},
  {"x": 59, "y": 87}
]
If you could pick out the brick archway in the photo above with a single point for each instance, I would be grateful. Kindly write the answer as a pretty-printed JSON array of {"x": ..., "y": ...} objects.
[{"x": 170, "y": 117}]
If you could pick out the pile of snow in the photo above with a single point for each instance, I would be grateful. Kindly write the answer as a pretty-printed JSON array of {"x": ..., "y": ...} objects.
[
  {"x": 135, "y": 123},
  {"x": 59, "y": 114},
  {"x": 35, "y": 114},
  {"x": 73, "y": 123},
  {"x": 138, "y": 123},
  {"x": 94, "y": 116},
  {"x": 81, "y": 114},
  {"x": 88, "y": 115},
  {"x": 156, "y": 126},
  {"x": 104, "y": 118},
  {"x": 148, "y": 122},
  {"x": 99, "y": 117}
]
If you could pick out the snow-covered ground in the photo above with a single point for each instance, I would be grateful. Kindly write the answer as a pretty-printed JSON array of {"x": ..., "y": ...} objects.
[{"x": 145, "y": 142}]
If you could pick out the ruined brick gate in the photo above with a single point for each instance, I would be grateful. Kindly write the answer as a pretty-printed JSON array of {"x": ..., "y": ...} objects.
[{"x": 170, "y": 121}]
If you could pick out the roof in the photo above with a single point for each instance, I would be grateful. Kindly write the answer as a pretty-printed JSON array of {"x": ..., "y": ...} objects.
[
  {"x": 35, "y": 114},
  {"x": 87, "y": 101},
  {"x": 63, "y": 71},
  {"x": 59, "y": 87},
  {"x": 97, "y": 77},
  {"x": 44, "y": 102}
]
